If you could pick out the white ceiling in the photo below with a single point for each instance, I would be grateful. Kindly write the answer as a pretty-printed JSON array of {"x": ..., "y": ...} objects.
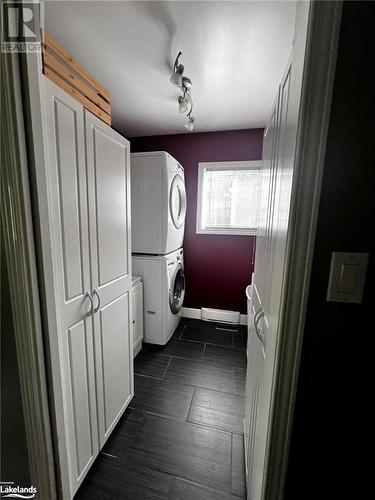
[{"x": 234, "y": 52}]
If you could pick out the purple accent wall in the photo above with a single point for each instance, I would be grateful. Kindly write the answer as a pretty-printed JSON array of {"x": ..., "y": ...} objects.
[{"x": 218, "y": 268}]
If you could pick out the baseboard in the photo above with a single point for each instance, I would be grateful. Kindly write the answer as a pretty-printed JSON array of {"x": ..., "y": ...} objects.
[
  {"x": 243, "y": 319},
  {"x": 189, "y": 312},
  {"x": 221, "y": 316},
  {"x": 192, "y": 313},
  {"x": 137, "y": 347}
]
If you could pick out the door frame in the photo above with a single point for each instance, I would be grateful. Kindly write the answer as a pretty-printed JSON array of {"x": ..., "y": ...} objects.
[
  {"x": 321, "y": 51},
  {"x": 20, "y": 257}
]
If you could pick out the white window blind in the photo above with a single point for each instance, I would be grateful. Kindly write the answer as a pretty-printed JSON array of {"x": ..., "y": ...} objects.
[{"x": 228, "y": 197}]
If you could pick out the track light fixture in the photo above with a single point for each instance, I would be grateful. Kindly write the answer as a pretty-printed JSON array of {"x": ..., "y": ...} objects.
[{"x": 185, "y": 102}]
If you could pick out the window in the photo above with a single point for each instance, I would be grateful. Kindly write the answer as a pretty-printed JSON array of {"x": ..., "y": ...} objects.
[{"x": 228, "y": 197}]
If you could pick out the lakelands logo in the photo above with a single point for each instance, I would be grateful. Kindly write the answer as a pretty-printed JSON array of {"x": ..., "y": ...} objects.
[
  {"x": 21, "y": 23},
  {"x": 8, "y": 490}
]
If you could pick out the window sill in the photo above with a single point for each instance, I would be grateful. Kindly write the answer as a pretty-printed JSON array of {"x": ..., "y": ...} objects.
[{"x": 228, "y": 232}]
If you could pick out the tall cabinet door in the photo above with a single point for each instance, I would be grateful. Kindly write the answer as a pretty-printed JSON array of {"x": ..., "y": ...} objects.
[
  {"x": 108, "y": 174},
  {"x": 67, "y": 203}
]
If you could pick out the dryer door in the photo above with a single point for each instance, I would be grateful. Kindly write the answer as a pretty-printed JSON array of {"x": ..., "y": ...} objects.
[
  {"x": 177, "y": 201},
  {"x": 177, "y": 290}
]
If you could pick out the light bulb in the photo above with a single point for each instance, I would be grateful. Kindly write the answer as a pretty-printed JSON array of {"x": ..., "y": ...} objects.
[
  {"x": 182, "y": 104},
  {"x": 189, "y": 125},
  {"x": 186, "y": 83},
  {"x": 176, "y": 77}
]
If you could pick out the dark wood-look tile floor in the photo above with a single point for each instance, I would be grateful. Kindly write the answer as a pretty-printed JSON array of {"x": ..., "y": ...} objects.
[{"x": 181, "y": 437}]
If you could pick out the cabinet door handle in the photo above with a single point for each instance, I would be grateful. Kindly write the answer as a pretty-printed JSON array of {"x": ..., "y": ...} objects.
[
  {"x": 95, "y": 292},
  {"x": 259, "y": 314},
  {"x": 256, "y": 313},
  {"x": 88, "y": 295}
]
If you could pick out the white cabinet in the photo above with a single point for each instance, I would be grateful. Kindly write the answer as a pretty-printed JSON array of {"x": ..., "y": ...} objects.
[
  {"x": 88, "y": 190},
  {"x": 137, "y": 315}
]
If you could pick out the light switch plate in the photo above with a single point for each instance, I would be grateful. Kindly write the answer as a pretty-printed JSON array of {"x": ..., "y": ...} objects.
[{"x": 347, "y": 277}]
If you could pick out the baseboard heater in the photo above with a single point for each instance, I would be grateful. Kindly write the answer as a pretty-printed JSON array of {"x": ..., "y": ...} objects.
[{"x": 220, "y": 316}]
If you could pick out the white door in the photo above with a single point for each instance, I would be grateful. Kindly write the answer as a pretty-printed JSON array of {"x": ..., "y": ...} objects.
[
  {"x": 262, "y": 272},
  {"x": 258, "y": 302},
  {"x": 66, "y": 175},
  {"x": 108, "y": 173},
  {"x": 257, "y": 326},
  {"x": 252, "y": 380},
  {"x": 279, "y": 152}
]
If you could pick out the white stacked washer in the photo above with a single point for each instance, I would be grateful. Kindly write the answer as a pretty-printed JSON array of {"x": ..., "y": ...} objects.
[
  {"x": 164, "y": 291},
  {"x": 158, "y": 222}
]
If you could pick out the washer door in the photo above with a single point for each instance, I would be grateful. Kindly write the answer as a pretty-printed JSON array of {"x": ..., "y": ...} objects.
[
  {"x": 177, "y": 290},
  {"x": 177, "y": 201}
]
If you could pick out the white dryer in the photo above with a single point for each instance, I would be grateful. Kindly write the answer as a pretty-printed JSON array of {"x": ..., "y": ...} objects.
[
  {"x": 158, "y": 200},
  {"x": 163, "y": 293}
]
